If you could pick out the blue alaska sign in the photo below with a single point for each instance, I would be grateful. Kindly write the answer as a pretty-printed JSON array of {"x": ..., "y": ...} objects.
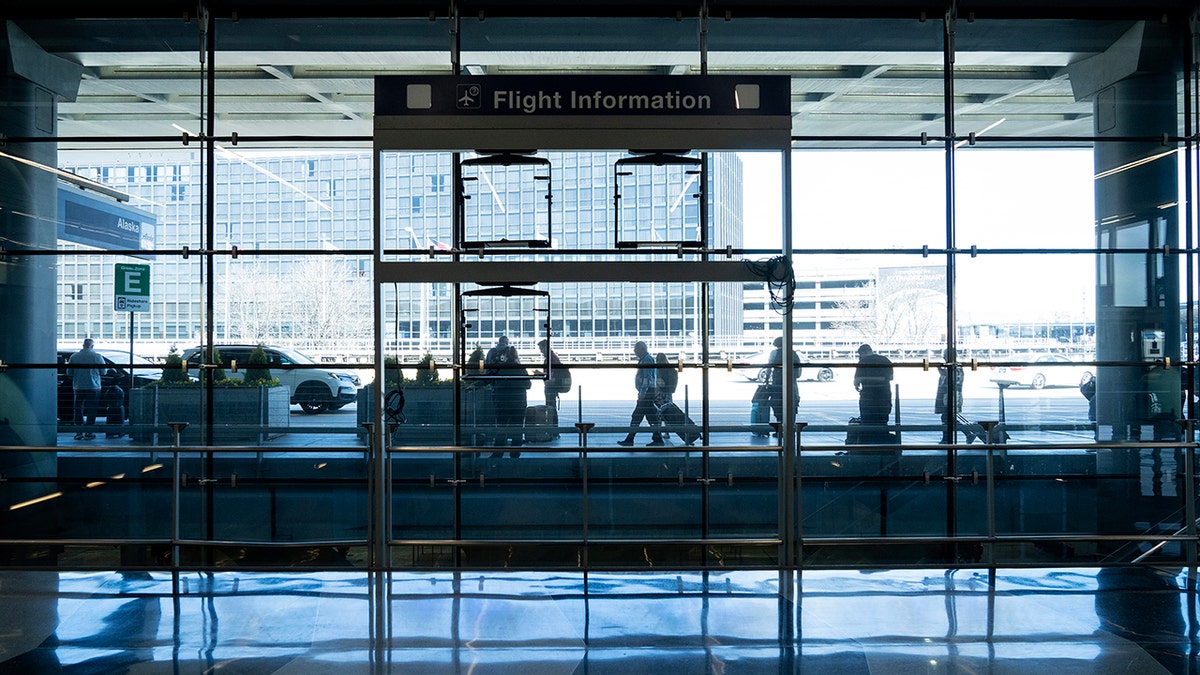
[{"x": 101, "y": 222}]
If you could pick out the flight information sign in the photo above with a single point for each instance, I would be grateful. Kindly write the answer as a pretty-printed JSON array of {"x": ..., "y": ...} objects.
[{"x": 582, "y": 112}]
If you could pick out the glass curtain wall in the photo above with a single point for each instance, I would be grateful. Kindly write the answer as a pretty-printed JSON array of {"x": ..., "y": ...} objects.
[{"x": 982, "y": 260}]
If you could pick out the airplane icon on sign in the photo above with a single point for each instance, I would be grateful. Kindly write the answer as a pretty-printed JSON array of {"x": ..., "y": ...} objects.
[{"x": 468, "y": 96}]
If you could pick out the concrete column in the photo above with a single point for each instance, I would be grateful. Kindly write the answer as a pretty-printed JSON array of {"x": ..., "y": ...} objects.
[
  {"x": 28, "y": 220},
  {"x": 1133, "y": 88},
  {"x": 30, "y": 81},
  {"x": 1137, "y": 294}
]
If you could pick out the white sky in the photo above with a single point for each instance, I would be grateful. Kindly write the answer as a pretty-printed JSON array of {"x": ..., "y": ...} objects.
[{"x": 896, "y": 199}]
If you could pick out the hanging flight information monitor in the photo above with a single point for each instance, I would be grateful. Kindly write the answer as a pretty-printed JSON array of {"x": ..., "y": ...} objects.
[
  {"x": 506, "y": 200},
  {"x": 519, "y": 315}
]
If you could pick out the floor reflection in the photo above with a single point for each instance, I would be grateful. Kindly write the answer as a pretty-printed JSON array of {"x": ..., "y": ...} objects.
[{"x": 1124, "y": 620}]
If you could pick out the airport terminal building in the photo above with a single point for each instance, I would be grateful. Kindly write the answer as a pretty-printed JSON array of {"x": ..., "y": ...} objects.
[{"x": 974, "y": 223}]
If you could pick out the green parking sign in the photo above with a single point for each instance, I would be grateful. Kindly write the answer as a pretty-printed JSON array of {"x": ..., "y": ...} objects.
[{"x": 131, "y": 288}]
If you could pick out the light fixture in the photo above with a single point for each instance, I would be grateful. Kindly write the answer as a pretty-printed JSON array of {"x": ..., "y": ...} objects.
[
  {"x": 245, "y": 160},
  {"x": 38, "y": 500},
  {"x": 1135, "y": 163},
  {"x": 72, "y": 178},
  {"x": 981, "y": 132}
]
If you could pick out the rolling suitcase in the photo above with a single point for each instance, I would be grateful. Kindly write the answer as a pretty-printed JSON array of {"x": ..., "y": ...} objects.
[
  {"x": 974, "y": 430},
  {"x": 760, "y": 409},
  {"x": 113, "y": 402},
  {"x": 679, "y": 423},
  {"x": 540, "y": 423},
  {"x": 760, "y": 414}
]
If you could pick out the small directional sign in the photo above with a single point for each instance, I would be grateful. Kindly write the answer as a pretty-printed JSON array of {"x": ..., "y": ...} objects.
[{"x": 131, "y": 288}]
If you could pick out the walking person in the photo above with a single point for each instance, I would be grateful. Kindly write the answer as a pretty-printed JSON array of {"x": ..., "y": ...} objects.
[
  {"x": 666, "y": 379},
  {"x": 775, "y": 380},
  {"x": 491, "y": 364},
  {"x": 941, "y": 404},
  {"x": 1088, "y": 389},
  {"x": 559, "y": 381},
  {"x": 646, "y": 382},
  {"x": 873, "y": 380},
  {"x": 85, "y": 381},
  {"x": 511, "y": 395}
]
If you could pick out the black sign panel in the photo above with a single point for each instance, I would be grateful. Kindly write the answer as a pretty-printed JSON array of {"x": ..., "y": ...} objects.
[
  {"x": 582, "y": 95},
  {"x": 578, "y": 112}
]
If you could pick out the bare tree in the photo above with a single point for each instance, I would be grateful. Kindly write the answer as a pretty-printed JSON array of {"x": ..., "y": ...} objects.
[
  {"x": 311, "y": 302},
  {"x": 907, "y": 309},
  {"x": 250, "y": 302},
  {"x": 332, "y": 301},
  {"x": 858, "y": 315}
]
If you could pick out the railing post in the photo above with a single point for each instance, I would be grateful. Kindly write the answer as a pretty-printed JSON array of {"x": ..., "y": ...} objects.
[
  {"x": 584, "y": 428},
  {"x": 989, "y": 428},
  {"x": 1189, "y": 485}
]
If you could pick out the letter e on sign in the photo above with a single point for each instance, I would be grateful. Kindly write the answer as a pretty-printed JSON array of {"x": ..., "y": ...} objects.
[{"x": 131, "y": 288}]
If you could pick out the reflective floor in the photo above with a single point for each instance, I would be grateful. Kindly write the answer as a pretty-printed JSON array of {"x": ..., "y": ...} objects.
[{"x": 1115, "y": 620}]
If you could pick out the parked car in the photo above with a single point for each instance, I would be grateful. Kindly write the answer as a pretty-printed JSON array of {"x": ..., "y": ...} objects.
[
  {"x": 760, "y": 374},
  {"x": 116, "y": 377},
  {"x": 1043, "y": 370},
  {"x": 315, "y": 390}
]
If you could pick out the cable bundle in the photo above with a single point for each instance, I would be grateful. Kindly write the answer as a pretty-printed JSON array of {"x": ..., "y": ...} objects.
[{"x": 781, "y": 282}]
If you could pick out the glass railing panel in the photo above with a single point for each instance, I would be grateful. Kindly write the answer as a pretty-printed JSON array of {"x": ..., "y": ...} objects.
[
  {"x": 253, "y": 503},
  {"x": 56, "y": 511},
  {"x": 424, "y": 500},
  {"x": 622, "y": 484},
  {"x": 1137, "y": 494},
  {"x": 742, "y": 508}
]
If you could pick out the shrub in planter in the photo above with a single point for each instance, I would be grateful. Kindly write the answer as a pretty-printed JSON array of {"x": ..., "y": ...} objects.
[
  {"x": 427, "y": 374},
  {"x": 256, "y": 372},
  {"x": 173, "y": 373},
  {"x": 218, "y": 372},
  {"x": 426, "y": 418},
  {"x": 242, "y": 408},
  {"x": 475, "y": 360}
]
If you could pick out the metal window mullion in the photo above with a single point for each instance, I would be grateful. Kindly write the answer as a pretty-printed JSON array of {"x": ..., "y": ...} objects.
[
  {"x": 378, "y": 485},
  {"x": 1191, "y": 188},
  {"x": 458, "y": 235},
  {"x": 790, "y": 529},
  {"x": 209, "y": 101},
  {"x": 948, "y": 54}
]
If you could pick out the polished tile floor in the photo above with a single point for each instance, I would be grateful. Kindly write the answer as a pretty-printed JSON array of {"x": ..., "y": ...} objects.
[{"x": 1061, "y": 621}]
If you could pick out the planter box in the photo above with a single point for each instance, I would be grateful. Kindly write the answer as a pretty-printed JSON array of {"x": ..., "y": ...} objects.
[
  {"x": 427, "y": 414},
  {"x": 241, "y": 415}
]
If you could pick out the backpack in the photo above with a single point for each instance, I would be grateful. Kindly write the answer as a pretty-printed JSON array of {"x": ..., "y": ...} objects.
[
  {"x": 560, "y": 379},
  {"x": 668, "y": 377},
  {"x": 775, "y": 376}
]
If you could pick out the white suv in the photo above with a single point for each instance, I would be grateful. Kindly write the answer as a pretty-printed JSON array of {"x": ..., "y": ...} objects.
[{"x": 313, "y": 389}]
